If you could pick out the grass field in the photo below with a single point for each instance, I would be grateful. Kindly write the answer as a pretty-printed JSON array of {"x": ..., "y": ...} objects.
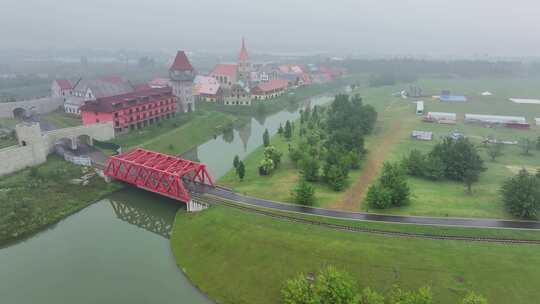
[
  {"x": 60, "y": 119},
  {"x": 230, "y": 254},
  {"x": 31, "y": 201},
  {"x": 179, "y": 134},
  {"x": 391, "y": 141}
]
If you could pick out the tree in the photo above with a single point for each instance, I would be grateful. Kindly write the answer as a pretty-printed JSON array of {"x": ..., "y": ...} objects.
[
  {"x": 378, "y": 197},
  {"x": 495, "y": 150},
  {"x": 400, "y": 296},
  {"x": 369, "y": 296},
  {"x": 295, "y": 154},
  {"x": 303, "y": 193},
  {"x": 394, "y": 180},
  {"x": 288, "y": 130},
  {"x": 526, "y": 145},
  {"x": 274, "y": 154},
  {"x": 329, "y": 286},
  {"x": 266, "y": 166},
  {"x": 236, "y": 161},
  {"x": 521, "y": 195},
  {"x": 280, "y": 129},
  {"x": 336, "y": 178},
  {"x": 336, "y": 287},
  {"x": 309, "y": 168},
  {"x": 391, "y": 189},
  {"x": 241, "y": 170},
  {"x": 266, "y": 138},
  {"x": 473, "y": 298},
  {"x": 298, "y": 291},
  {"x": 461, "y": 160}
]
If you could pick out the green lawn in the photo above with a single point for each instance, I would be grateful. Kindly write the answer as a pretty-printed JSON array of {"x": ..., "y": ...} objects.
[
  {"x": 397, "y": 118},
  {"x": 449, "y": 198},
  {"x": 179, "y": 134},
  {"x": 29, "y": 202},
  {"x": 61, "y": 120},
  {"x": 230, "y": 254}
]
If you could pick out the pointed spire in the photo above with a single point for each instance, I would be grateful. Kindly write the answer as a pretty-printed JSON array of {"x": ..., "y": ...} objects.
[
  {"x": 243, "y": 57},
  {"x": 181, "y": 62}
]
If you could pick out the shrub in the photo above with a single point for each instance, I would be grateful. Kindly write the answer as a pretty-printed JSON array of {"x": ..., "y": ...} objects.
[
  {"x": 521, "y": 195},
  {"x": 304, "y": 193}
]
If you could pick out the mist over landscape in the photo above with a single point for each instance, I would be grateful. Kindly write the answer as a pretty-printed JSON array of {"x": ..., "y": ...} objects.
[
  {"x": 273, "y": 152},
  {"x": 372, "y": 27}
]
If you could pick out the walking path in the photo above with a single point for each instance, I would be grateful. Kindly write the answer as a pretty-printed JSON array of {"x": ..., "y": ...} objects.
[{"x": 437, "y": 221}]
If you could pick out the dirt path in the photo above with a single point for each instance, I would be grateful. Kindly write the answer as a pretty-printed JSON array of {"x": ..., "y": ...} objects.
[{"x": 377, "y": 153}]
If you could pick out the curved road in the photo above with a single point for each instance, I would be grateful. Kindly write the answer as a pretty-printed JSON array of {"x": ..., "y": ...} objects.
[{"x": 420, "y": 220}]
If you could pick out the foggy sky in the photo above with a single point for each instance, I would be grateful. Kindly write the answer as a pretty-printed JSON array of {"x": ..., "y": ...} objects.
[{"x": 467, "y": 27}]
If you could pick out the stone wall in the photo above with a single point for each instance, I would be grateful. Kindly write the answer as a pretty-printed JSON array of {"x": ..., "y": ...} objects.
[
  {"x": 40, "y": 106},
  {"x": 34, "y": 146},
  {"x": 16, "y": 158}
]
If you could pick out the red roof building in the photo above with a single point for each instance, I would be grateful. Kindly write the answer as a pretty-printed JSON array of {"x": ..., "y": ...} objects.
[
  {"x": 61, "y": 88},
  {"x": 225, "y": 74},
  {"x": 271, "y": 89},
  {"x": 132, "y": 110}
]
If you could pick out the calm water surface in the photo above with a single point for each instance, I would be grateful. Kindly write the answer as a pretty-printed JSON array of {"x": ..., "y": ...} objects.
[{"x": 117, "y": 250}]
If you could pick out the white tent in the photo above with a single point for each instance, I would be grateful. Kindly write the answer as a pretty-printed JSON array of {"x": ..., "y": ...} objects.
[{"x": 486, "y": 93}]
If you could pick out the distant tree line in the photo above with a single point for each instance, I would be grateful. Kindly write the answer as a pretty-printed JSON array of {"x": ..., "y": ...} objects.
[{"x": 466, "y": 68}]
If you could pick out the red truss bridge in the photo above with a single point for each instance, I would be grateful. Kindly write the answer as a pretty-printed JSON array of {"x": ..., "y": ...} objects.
[{"x": 157, "y": 172}]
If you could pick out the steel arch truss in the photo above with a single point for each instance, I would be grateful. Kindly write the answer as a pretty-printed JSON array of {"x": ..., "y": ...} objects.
[{"x": 157, "y": 172}]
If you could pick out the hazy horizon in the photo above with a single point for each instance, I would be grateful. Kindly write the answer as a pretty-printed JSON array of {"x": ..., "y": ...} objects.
[{"x": 297, "y": 26}]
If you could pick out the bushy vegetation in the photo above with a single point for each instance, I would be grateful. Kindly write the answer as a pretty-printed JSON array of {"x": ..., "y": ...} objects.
[
  {"x": 453, "y": 159},
  {"x": 521, "y": 195},
  {"x": 332, "y": 140},
  {"x": 271, "y": 160},
  {"x": 331, "y": 286},
  {"x": 304, "y": 193},
  {"x": 38, "y": 196},
  {"x": 390, "y": 190}
]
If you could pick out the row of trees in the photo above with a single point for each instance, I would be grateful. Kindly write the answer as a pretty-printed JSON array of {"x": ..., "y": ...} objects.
[
  {"x": 453, "y": 159},
  {"x": 332, "y": 140},
  {"x": 331, "y": 286}
]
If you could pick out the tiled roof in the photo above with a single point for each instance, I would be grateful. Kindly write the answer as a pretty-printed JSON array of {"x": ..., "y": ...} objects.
[
  {"x": 104, "y": 86},
  {"x": 64, "y": 84},
  {"x": 114, "y": 103},
  {"x": 141, "y": 87},
  {"x": 159, "y": 82},
  {"x": 224, "y": 69},
  {"x": 274, "y": 84},
  {"x": 181, "y": 62},
  {"x": 206, "y": 85}
]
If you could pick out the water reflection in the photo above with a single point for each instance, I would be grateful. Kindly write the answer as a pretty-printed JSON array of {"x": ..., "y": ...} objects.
[
  {"x": 219, "y": 152},
  {"x": 147, "y": 213}
]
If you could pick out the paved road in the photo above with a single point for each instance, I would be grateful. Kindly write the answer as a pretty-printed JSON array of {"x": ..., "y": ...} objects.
[{"x": 438, "y": 221}]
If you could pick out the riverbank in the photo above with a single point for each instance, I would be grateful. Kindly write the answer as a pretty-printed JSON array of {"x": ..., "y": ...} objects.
[
  {"x": 38, "y": 197},
  {"x": 35, "y": 198},
  {"x": 214, "y": 248},
  {"x": 179, "y": 134}
]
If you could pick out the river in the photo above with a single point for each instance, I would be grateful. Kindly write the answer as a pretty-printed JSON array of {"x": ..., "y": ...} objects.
[{"x": 117, "y": 250}]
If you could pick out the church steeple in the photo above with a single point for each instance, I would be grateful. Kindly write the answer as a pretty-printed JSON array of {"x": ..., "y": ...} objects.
[{"x": 243, "y": 57}]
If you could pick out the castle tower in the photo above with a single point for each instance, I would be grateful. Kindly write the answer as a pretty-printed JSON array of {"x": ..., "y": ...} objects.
[
  {"x": 244, "y": 68},
  {"x": 182, "y": 75}
]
